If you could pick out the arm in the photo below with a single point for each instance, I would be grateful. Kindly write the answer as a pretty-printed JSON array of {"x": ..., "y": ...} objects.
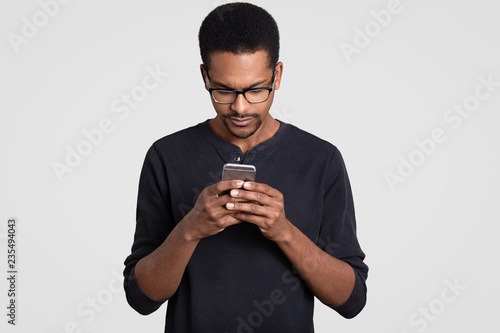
[
  {"x": 159, "y": 273},
  {"x": 169, "y": 260},
  {"x": 336, "y": 274},
  {"x": 316, "y": 267},
  {"x": 161, "y": 247}
]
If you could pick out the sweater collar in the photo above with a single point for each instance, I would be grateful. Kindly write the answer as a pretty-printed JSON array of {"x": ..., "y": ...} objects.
[{"x": 227, "y": 147}]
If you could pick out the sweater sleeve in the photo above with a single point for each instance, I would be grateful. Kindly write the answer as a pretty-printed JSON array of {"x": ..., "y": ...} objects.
[
  {"x": 338, "y": 232},
  {"x": 154, "y": 221}
]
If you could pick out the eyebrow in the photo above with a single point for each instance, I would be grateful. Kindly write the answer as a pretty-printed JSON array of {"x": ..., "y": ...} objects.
[{"x": 224, "y": 86}]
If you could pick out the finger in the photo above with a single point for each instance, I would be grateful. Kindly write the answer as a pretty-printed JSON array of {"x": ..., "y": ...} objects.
[
  {"x": 231, "y": 219},
  {"x": 251, "y": 218},
  {"x": 221, "y": 216},
  {"x": 247, "y": 207},
  {"x": 226, "y": 220},
  {"x": 225, "y": 185},
  {"x": 224, "y": 198},
  {"x": 262, "y": 188},
  {"x": 246, "y": 195},
  {"x": 232, "y": 199}
]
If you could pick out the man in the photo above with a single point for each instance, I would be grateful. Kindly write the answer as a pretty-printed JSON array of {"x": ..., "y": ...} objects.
[{"x": 244, "y": 256}]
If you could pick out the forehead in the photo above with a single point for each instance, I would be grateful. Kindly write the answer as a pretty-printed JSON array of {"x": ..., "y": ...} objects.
[{"x": 239, "y": 69}]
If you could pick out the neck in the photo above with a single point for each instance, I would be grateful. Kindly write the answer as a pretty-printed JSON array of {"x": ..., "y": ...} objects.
[{"x": 266, "y": 131}]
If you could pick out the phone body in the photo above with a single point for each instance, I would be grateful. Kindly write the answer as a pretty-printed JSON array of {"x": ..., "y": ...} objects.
[{"x": 244, "y": 172}]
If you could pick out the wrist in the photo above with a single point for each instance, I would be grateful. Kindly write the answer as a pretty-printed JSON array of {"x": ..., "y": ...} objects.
[
  {"x": 286, "y": 235},
  {"x": 185, "y": 231}
]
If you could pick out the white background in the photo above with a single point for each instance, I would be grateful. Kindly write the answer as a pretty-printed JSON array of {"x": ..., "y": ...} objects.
[{"x": 440, "y": 224}]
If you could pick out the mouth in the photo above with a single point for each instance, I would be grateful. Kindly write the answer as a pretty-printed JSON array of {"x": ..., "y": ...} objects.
[{"x": 241, "y": 122}]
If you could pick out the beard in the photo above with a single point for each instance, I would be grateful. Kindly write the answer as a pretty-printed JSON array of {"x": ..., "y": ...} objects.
[{"x": 244, "y": 133}]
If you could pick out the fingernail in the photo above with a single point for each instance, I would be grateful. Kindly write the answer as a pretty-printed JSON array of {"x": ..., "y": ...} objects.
[
  {"x": 247, "y": 185},
  {"x": 230, "y": 205},
  {"x": 239, "y": 183},
  {"x": 234, "y": 193}
]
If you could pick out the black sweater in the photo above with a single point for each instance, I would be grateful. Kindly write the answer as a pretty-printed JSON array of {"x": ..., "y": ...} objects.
[{"x": 237, "y": 280}]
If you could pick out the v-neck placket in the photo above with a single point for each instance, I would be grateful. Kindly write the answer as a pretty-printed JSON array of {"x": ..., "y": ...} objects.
[{"x": 231, "y": 153}]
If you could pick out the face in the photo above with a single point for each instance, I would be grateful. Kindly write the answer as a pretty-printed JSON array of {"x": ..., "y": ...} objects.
[{"x": 242, "y": 119}]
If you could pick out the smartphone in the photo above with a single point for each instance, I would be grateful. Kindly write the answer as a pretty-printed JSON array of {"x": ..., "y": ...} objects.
[{"x": 244, "y": 172}]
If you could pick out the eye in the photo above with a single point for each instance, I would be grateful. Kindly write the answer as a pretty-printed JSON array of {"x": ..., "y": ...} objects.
[
  {"x": 256, "y": 92},
  {"x": 224, "y": 92}
]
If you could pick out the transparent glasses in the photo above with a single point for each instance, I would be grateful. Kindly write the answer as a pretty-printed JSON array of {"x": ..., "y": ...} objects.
[{"x": 252, "y": 95}]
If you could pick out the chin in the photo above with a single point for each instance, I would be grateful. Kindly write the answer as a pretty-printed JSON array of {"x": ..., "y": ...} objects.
[{"x": 243, "y": 133}]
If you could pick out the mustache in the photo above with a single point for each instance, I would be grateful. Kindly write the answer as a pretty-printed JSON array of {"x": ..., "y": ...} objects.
[{"x": 241, "y": 116}]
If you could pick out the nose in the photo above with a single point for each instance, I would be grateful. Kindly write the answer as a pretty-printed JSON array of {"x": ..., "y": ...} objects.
[{"x": 240, "y": 104}]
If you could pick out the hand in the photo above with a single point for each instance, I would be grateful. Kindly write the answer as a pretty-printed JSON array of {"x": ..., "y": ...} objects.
[
  {"x": 263, "y": 206},
  {"x": 209, "y": 215}
]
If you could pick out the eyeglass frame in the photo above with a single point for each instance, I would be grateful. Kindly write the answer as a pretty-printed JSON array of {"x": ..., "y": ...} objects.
[{"x": 237, "y": 92}]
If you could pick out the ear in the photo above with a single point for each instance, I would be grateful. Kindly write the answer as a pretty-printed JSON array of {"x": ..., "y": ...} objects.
[
  {"x": 279, "y": 73},
  {"x": 203, "y": 75}
]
